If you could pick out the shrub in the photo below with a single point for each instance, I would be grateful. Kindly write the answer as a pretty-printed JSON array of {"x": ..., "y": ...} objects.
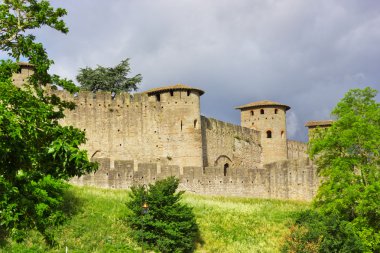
[
  {"x": 168, "y": 226},
  {"x": 314, "y": 232}
]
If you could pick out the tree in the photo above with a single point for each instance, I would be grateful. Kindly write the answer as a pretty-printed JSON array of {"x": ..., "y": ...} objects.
[
  {"x": 108, "y": 79},
  {"x": 348, "y": 160},
  {"x": 37, "y": 154},
  {"x": 169, "y": 225}
]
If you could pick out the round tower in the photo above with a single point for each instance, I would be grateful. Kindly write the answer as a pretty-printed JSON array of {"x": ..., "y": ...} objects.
[
  {"x": 269, "y": 118},
  {"x": 177, "y": 124}
]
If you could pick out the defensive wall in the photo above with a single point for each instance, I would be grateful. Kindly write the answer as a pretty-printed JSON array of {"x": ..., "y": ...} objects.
[
  {"x": 297, "y": 149},
  {"x": 142, "y": 137},
  {"x": 291, "y": 179},
  {"x": 225, "y": 143},
  {"x": 138, "y": 127},
  {"x": 165, "y": 131}
]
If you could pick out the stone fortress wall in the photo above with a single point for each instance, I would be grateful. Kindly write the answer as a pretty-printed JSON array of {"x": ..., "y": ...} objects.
[
  {"x": 296, "y": 149},
  {"x": 225, "y": 143},
  {"x": 165, "y": 131},
  {"x": 138, "y": 127},
  {"x": 140, "y": 138},
  {"x": 144, "y": 137},
  {"x": 291, "y": 179}
]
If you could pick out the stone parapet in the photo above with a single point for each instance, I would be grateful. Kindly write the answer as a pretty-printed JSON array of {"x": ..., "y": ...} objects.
[{"x": 291, "y": 179}]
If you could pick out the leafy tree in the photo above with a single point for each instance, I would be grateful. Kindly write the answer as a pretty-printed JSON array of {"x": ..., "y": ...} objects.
[
  {"x": 347, "y": 156},
  {"x": 168, "y": 226},
  {"x": 37, "y": 154},
  {"x": 108, "y": 79}
]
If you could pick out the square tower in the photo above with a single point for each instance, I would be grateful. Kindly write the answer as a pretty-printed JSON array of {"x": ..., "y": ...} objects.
[{"x": 269, "y": 118}]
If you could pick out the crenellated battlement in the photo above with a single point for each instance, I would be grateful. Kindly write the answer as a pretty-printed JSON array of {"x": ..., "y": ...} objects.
[
  {"x": 169, "y": 99},
  {"x": 294, "y": 179},
  {"x": 105, "y": 98}
]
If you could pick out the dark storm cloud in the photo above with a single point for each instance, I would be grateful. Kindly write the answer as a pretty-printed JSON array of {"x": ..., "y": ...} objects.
[{"x": 306, "y": 54}]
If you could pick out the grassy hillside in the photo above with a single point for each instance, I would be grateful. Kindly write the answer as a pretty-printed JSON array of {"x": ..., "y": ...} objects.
[{"x": 227, "y": 224}]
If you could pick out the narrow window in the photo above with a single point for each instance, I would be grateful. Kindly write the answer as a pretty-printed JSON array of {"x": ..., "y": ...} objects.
[
  {"x": 195, "y": 123},
  {"x": 158, "y": 97},
  {"x": 252, "y": 113},
  {"x": 181, "y": 125},
  {"x": 275, "y": 111},
  {"x": 262, "y": 111},
  {"x": 269, "y": 134},
  {"x": 171, "y": 93},
  {"x": 282, "y": 134},
  {"x": 225, "y": 169},
  {"x": 188, "y": 93}
]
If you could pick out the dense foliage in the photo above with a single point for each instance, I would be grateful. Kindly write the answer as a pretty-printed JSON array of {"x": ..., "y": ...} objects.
[
  {"x": 37, "y": 154},
  {"x": 347, "y": 206},
  {"x": 108, "y": 79},
  {"x": 169, "y": 225}
]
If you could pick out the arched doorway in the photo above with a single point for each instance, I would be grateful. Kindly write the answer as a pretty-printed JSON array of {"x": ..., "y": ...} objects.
[
  {"x": 225, "y": 169},
  {"x": 224, "y": 162}
]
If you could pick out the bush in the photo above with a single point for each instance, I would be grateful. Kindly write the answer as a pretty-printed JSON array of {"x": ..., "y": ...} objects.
[
  {"x": 31, "y": 204},
  {"x": 314, "y": 232},
  {"x": 168, "y": 226}
]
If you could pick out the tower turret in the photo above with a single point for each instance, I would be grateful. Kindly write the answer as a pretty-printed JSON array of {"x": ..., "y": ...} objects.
[
  {"x": 317, "y": 124},
  {"x": 269, "y": 118},
  {"x": 178, "y": 123}
]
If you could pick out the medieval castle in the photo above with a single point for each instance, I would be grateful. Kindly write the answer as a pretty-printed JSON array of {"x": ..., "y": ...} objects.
[{"x": 143, "y": 137}]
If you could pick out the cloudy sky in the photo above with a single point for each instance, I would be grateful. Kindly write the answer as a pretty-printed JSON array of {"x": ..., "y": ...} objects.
[{"x": 303, "y": 53}]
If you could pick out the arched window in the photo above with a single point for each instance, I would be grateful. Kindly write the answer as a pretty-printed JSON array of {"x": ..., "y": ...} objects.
[
  {"x": 225, "y": 169},
  {"x": 275, "y": 111},
  {"x": 195, "y": 123},
  {"x": 269, "y": 134},
  {"x": 262, "y": 111},
  {"x": 252, "y": 113}
]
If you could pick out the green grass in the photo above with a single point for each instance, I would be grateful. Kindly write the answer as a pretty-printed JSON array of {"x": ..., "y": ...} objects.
[{"x": 227, "y": 224}]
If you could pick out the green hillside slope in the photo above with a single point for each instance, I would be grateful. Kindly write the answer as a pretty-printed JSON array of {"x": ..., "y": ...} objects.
[{"x": 227, "y": 224}]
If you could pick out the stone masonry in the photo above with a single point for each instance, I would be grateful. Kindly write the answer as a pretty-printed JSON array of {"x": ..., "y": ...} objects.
[{"x": 143, "y": 137}]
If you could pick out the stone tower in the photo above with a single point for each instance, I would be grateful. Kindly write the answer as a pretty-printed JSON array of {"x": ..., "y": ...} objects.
[
  {"x": 178, "y": 123},
  {"x": 317, "y": 124},
  {"x": 269, "y": 118},
  {"x": 25, "y": 70}
]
